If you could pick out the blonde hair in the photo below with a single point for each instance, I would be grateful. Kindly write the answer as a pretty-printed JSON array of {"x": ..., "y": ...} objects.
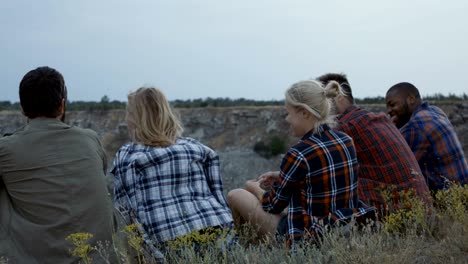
[
  {"x": 314, "y": 98},
  {"x": 151, "y": 119}
]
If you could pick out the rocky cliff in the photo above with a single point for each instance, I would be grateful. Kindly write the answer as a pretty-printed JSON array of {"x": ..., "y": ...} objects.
[{"x": 232, "y": 132}]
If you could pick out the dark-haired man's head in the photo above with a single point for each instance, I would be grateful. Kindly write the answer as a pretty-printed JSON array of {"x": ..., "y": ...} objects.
[
  {"x": 341, "y": 103},
  {"x": 43, "y": 93},
  {"x": 402, "y": 99}
]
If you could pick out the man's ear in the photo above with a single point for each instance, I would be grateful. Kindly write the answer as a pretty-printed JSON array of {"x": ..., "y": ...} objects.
[
  {"x": 340, "y": 98},
  {"x": 411, "y": 100},
  {"x": 62, "y": 107}
]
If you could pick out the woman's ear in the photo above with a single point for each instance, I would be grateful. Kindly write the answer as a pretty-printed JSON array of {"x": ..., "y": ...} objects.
[{"x": 305, "y": 114}]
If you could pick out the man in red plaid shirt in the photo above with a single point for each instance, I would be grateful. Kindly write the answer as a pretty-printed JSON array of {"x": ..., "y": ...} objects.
[{"x": 386, "y": 162}]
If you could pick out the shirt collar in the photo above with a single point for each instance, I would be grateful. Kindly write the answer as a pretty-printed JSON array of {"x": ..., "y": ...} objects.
[
  {"x": 45, "y": 122},
  {"x": 423, "y": 106},
  {"x": 348, "y": 111},
  {"x": 321, "y": 128}
]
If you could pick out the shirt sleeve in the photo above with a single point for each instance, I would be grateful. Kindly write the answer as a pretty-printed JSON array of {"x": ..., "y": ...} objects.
[
  {"x": 212, "y": 173},
  {"x": 415, "y": 137},
  {"x": 124, "y": 187},
  {"x": 340, "y": 126},
  {"x": 99, "y": 149},
  {"x": 290, "y": 182}
]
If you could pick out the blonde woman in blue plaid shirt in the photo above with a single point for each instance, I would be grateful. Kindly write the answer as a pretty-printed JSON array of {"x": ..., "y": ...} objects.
[{"x": 168, "y": 185}]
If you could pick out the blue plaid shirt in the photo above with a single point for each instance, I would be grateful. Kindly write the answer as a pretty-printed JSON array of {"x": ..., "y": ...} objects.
[
  {"x": 435, "y": 144},
  {"x": 170, "y": 191}
]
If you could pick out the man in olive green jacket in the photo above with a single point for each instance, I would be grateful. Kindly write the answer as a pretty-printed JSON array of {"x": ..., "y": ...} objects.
[{"x": 52, "y": 179}]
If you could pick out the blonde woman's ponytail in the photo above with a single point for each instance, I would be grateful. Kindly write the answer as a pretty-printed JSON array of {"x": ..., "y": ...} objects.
[
  {"x": 332, "y": 90},
  {"x": 313, "y": 97}
]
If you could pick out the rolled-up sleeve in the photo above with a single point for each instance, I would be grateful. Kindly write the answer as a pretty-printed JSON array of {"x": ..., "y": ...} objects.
[
  {"x": 213, "y": 176},
  {"x": 291, "y": 179}
]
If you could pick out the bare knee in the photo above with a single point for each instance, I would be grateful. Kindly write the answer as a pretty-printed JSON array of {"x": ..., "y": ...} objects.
[
  {"x": 246, "y": 207},
  {"x": 234, "y": 196}
]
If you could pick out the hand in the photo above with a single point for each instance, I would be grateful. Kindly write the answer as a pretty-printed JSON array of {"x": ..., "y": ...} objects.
[
  {"x": 252, "y": 185},
  {"x": 267, "y": 179}
]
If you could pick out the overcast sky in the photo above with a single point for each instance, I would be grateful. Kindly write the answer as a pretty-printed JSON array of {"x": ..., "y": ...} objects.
[{"x": 252, "y": 49}]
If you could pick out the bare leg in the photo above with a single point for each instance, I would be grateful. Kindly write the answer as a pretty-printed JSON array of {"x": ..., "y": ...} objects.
[{"x": 246, "y": 206}]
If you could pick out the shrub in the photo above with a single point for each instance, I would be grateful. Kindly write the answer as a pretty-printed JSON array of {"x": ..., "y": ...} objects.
[
  {"x": 277, "y": 145},
  {"x": 272, "y": 147},
  {"x": 82, "y": 248},
  {"x": 261, "y": 149},
  {"x": 411, "y": 214},
  {"x": 453, "y": 202}
]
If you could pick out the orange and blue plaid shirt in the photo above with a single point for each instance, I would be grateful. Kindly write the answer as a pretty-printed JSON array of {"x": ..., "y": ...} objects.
[
  {"x": 317, "y": 182},
  {"x": 386, "y": 162},
  {"x": 435, "y": 144}
]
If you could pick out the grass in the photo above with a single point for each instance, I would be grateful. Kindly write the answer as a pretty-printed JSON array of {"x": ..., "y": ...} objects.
[{"x": 415, "y": 235}]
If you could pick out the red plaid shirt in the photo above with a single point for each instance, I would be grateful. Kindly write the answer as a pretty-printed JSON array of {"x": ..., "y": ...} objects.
[
  {"x": 385, "y": 159},
  {"x": 318, "y": 184}
]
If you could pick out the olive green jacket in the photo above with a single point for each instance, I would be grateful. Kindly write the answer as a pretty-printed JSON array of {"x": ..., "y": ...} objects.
[{"x": 52, "y": 184}]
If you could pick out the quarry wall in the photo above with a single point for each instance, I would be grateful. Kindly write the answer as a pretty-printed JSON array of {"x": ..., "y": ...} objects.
[{"x": 232, "y": 132}]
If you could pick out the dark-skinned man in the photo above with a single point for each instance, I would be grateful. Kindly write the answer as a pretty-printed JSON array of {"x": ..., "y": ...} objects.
[{"x": 430, "y": 135}]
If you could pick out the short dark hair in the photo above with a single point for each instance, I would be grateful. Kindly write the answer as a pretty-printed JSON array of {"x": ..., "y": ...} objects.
[
  {"x": 41, "y": 92},
  {"x": 342, "y": 80},
  {"x": 406, "y": 89}
]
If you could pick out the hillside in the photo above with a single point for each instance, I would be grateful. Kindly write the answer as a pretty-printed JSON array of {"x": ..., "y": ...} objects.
[{"x": 232, "y": 132}]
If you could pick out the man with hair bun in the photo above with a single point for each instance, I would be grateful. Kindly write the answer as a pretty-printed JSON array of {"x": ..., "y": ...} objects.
[
  {"x": 52, "y": 179},
  {"x": 430, "y": 135},
  {"x": 385, "y": 160}
]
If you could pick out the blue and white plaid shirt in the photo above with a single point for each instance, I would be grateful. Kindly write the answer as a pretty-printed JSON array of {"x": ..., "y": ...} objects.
[{"x": 170, "y": 191}]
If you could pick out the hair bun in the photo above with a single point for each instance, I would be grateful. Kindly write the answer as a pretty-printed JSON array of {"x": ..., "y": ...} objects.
[{"x": 332, "y": 89}]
